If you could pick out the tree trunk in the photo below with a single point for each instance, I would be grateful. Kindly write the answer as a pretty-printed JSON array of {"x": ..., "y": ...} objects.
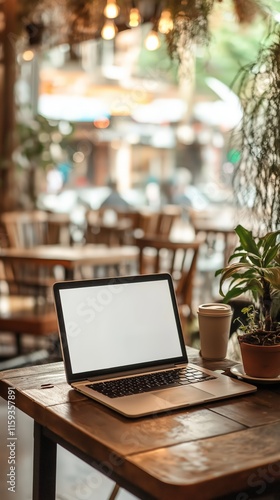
[{"x": 7, "y": 110}]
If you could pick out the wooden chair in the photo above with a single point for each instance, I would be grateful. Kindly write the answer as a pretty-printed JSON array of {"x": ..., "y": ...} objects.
[
  {"x": 28, "y": 229},
  {"x": 59, "y": 229},
  {"x": 35, "y": 227},
  {"x": 161, "y": 222},
  {"x": 126, "y": 224},
  {"x": 157, "y": 254},
  {"x": 102, "y": 230},
  {"x": 28, "y": 306},
  {"x": 149, "y": 222},
  {"x": 23, "y": 315},
  {"x": 143, "y": 221},
  {"x": 133, "y": 216},
  {"x": 216, "y": 227},
  {"x": 166, "y": 219}
]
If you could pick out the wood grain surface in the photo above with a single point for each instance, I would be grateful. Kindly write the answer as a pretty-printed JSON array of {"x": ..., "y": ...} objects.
[{"x": 204, "y": 452}]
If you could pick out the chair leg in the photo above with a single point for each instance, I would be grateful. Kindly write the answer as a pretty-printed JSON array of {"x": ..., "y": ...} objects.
[
  {"x": 114, "y": 492},
  {"x": 18, "y": 343}
]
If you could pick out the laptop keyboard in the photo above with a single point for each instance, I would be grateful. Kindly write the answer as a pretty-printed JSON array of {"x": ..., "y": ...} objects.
[{"x": 150, "y": 382}]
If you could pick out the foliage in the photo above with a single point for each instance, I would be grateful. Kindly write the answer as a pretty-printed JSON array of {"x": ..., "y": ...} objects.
[
  {"x": 254, "y": 267},
  {"x": 232, "y": 46},
  {"x": 193, "y": 24},
  {"x": 37, "y": 138},
  {"x": 254, "y": 326},
  {"x": 74, "y": 21},
  {"x": 190, "y": 25},
  {"x": 41, "y": 144},
  {"x": 257, "y": 179}
]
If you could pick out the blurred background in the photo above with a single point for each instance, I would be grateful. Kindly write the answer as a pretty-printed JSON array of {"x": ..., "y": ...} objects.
[{"x": 116, "y": 107}]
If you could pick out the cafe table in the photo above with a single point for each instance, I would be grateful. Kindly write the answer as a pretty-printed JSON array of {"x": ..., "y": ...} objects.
[
  {"x": 71, "y": 258},
  {"x": 229, "y": 449}
]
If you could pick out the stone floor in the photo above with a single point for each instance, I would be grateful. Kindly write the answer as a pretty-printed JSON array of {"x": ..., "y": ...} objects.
[{"x": 75, "y": 479}]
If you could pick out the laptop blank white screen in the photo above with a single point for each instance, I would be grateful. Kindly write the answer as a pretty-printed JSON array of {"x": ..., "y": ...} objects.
[{"x": 118, "y": 325}]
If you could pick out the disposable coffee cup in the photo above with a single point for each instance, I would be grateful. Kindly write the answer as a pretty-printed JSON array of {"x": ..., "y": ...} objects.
[{"x": 214, "y": 321}]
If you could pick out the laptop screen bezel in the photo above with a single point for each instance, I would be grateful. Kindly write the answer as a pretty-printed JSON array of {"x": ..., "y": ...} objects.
[{"x": 119, "y": 280}]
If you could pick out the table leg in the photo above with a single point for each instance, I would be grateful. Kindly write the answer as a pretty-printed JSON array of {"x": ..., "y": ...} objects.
[{"x": 44, "y": 465}]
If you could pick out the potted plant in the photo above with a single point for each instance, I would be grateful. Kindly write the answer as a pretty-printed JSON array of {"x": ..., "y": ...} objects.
[{"x": 254, "y": 269}]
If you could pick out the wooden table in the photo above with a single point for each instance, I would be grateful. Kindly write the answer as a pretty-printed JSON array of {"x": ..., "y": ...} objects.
[
  {"x": 227, "y": 449},
  {"x": 69, "y": 257}
]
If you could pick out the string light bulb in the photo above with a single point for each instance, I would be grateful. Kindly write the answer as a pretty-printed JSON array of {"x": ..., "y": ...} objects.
[
  {"x": 152, "y": 41},
  {"x": 134, "y": 18},
  {"x": 165, "y": 24},
  {"x": 28, "y": 55},
  {"x": 109, "y": 30},
  {"x": 111, "y": 10}
]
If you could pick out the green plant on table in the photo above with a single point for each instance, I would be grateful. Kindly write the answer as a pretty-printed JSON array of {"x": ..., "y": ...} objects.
[{"x": 254, "y": 269}]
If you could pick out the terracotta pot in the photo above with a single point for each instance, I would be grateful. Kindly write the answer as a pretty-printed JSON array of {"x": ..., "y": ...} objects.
[{"x": 261, "y": 361}]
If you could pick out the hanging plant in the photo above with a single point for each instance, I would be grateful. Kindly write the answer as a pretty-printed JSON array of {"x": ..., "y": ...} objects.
[
  {"x": 257, "y": 175},
  {"x": 190, "y": 25},
  {"x": 75, "y": 21},
  {"x": 86, "y": 19},
  {"x": 191, "y": 21}
]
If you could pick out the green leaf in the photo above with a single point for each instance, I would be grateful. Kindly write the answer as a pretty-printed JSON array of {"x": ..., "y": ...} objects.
[
  {"x": 270, "y": 255},
  {"x": 255, "y": 285},
  {"x": 269, "y": 240},
  {"x": 272, "y": 275},
  {"x": 277, "y": 258},
  {"x": 235, "y": 292},
  {"x": 255, "y": 262},
  {"x": 237, "y": 254},
  {"x": 236, "y": 282},
  {"x": 237, "y": 267},
  {"x": 247, "y": 240}
]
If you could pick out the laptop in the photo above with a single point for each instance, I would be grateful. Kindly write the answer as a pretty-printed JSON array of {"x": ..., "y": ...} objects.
[{"x": 123, "y": 346}]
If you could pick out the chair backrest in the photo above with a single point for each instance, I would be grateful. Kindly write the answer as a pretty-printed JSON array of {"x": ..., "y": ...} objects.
[
  {"x": 26, "y": 228},
  {"x": 110, "y": 230},
  {"x": 30, "y": 228},
  {"x": 132, "y": 215},
  {"x": 144, "y": 221},
  {"x": 150, "y": 222},
  {"x": 59, "y": 229},
  {"x": 166, "y": 219},
  {"x": 158, "y": 254},
  {"x": 217, "y": 227}
]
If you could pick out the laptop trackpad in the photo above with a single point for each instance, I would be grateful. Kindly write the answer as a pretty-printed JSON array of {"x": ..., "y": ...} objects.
[{"x": 180, "y": 395}]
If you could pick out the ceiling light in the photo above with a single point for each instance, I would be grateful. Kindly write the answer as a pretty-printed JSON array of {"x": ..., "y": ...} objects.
[
  {"x": 28, "y": 55},
  {"x": 165, "y": 24},
  {"x": 152, "y": 41},
  {"x": 111, "y": 10},
  {"x": 134, "y": 18},
  {"x": 109, "y": 30}
]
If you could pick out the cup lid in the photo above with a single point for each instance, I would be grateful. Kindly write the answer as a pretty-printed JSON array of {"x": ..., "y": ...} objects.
[{"x": 214, "y": 309}]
